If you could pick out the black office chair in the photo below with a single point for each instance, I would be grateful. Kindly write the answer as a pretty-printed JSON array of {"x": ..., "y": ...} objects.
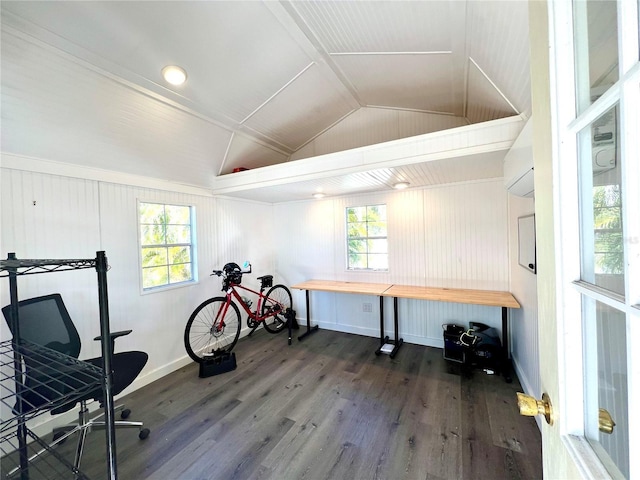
[{"x": 45, "y": 321}]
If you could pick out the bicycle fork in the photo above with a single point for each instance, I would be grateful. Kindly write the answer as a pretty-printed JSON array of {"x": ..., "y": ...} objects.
[{"x": 217, "y": 327}]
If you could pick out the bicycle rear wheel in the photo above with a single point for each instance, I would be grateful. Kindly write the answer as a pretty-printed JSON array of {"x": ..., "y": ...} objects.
[
  {"x": 278, "y": 299},
  {"x": 213, "y": 328}
]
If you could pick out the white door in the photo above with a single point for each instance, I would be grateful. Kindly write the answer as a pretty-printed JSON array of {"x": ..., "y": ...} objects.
[{"x": 586, "y": 128}]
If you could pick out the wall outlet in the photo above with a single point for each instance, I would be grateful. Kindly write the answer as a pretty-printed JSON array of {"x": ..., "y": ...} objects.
[{"x": 366, "y": 307}]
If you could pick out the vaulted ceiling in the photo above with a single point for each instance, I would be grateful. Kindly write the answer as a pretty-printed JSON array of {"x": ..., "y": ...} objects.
[{"x": 268, "y": 82}]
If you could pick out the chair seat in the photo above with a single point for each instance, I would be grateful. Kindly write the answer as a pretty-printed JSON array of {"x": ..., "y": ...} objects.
[{"x": 125, "y": 366}]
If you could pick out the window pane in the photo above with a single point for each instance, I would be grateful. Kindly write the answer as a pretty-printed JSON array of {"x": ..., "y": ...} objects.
[
  {"x": 151, "y": 213},
  {"x": 358, "y": 229},
  {"x": 377, "y": 213},
  {"x": 357, "y": 261},
  {"x": 178, "y": 215},
  {"x": 153, "y": 257},
  {"x": 178, "y": 234},
  {"x": 377, "y": 246},
  {"x": 152, "y": 234},
  {"x": 154, "y": 277},
  {"x": 378, "y": 262},
  {"x": 377, "y": 229},
  {"x": 601, "y": 201},
  {"x": 606, "y": 383},
  {"x": 179, "y": 255},
  {"x": 356, "y": 214},
  {"x": 357, "y": 246},
  {"x": 596, "y": 30},
  {"x": 179, "y": 273}
]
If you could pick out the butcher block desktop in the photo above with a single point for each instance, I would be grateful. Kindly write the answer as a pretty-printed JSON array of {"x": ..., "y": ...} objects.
[{"x": 491, "y": 298}]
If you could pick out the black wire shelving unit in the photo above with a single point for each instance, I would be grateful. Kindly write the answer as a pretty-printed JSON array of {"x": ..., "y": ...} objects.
[{"x": 18, "y": 444}]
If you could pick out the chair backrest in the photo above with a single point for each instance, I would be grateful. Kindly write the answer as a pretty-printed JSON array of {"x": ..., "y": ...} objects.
[{"x": 45, "y": 321}]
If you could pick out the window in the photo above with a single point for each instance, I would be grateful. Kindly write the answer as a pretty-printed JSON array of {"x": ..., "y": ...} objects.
[
  {"x": 167, "y": 247},
  {"x": 598, "y": 100},
  {"x": 367, "y": 238}
]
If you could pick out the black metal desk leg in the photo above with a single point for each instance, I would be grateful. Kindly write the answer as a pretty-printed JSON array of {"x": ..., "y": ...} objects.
[
  {"x": 310, "y": 329},
  {"x": 397, "y": 340},
  {"x": 506, "y": 361},
  {"x": 383, "y": 338}
]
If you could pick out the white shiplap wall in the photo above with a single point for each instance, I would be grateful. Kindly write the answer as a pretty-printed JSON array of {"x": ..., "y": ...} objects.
[
  {"x": 369, "y": 126},
  {"x": 74, "y": 218},
  {"x": 524, "y": 321},
  {"x": 454, "y": 235}
]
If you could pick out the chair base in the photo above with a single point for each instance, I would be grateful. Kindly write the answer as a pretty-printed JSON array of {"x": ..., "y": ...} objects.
[{"x": 84, "y": 426}]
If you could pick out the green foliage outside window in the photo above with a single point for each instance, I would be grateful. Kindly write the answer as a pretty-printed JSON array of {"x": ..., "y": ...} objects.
[
  {"x": 367, "y": 238},
  {"x": 166, "y": 244},
  {"x": 607, "y": 213}
]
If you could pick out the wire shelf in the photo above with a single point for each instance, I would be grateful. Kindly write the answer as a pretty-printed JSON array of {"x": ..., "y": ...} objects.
[
  {"x": 47, "y": 380},
  {"x": 31, "y": 267},
  {"x": 35, "y": 380}
]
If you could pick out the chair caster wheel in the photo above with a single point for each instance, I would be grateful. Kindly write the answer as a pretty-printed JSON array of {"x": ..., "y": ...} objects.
[
  {"x": 144, "y": 433},
  {"x": 125, "y": 413}
]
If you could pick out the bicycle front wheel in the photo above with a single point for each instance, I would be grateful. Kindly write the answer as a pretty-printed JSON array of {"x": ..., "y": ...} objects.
[
  {"x": 277, "y": 300},
  {"x": 213, "y": 328}
]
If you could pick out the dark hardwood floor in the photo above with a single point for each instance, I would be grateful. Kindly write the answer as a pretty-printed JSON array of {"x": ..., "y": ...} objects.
[{"x": 325, "y": 408}]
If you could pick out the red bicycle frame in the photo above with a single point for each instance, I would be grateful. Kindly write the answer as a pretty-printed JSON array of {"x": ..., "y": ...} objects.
[{"x": 232, "y": 292}]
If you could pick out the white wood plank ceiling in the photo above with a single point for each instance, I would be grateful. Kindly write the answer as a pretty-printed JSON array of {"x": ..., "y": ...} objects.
[{"x": 268, "y": 82}]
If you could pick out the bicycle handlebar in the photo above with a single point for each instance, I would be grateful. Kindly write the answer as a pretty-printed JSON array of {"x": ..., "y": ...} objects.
[{"x": 232, "y": 268}]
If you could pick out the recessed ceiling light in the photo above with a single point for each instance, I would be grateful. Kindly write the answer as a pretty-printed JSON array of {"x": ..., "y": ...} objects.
[
  {"x": 174, "y": 75},
  {"x": 318, "y": 195},
  {"x": 400, "y": 185}
]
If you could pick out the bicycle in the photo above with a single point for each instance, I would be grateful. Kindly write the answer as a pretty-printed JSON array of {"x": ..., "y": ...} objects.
[{"x": 214, "y": 326}]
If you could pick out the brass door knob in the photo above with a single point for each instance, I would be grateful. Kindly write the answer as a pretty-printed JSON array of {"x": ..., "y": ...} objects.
[
  {"x": 605, "y": 422},
  {"x": 530, "y": 407}
]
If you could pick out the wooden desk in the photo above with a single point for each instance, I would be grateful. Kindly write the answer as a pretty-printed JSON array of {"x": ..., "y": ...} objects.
[
  {"x": 342, "y": 287},
  {"x": 490, "y": 298}
]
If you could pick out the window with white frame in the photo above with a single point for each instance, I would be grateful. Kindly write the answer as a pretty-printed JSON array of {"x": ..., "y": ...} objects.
[
  {"x": 167, "y": 247},
  {"x": 598, "y": 128},
  {"x": 367, "y": 247}
]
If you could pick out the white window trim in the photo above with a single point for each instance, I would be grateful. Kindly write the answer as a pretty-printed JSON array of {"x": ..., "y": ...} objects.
[
  {"x": 346, "y": 238},
  {"x": 194, "y": 249}
]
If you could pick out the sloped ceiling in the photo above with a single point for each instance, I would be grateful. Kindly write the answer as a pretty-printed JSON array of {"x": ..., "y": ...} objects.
[{"x": 268, "y": 82}]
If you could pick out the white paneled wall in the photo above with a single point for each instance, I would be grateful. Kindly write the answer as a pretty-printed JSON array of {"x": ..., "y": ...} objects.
[
  {"x": 466, "y": 236},
  {"x": 524, "y": 321},
  {"x": 451, "y": 236},
  {"x": 74, "y": 218},
  {"x": 368, "y": 126},
  {"x": 52, "y": 217}
]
